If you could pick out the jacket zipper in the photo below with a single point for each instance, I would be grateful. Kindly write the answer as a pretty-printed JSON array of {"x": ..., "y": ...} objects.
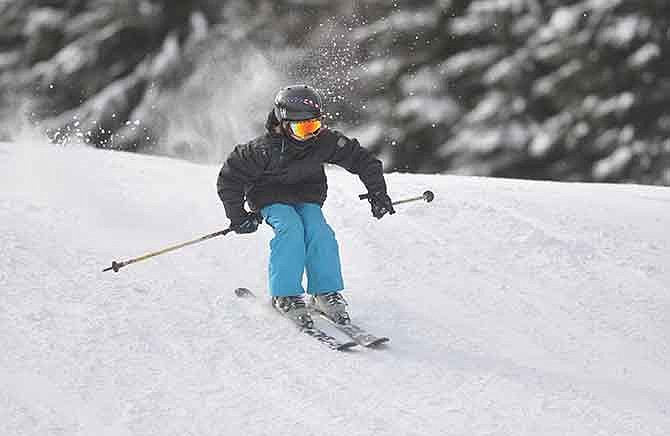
[{"x": 282, "y": 153}]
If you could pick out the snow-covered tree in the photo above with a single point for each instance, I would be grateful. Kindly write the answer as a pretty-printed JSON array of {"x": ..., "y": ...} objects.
[
  {"x": 134, "y": 74},
  {"x": 569, "y": 89},
  {"x": 572, "y": 90}
]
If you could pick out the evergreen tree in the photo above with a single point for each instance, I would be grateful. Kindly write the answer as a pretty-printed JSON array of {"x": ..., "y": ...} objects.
[
  {"x": 125, "y": 74},
  {"x": 571, "y": 90},
  {"x": 568, "y": 90}
]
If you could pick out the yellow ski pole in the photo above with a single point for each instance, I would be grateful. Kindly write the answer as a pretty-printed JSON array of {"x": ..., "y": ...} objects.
[{"x": 116, "y": 266}]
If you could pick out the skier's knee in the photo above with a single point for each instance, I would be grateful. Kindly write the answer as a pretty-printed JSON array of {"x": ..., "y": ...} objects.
[
  {"x": 289, "y": 227},
  {"x": 320, "y": 231}
]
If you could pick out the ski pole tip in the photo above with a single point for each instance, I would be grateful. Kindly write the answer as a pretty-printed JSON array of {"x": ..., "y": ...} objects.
[
  {"x": 428, "y": 196},
  {"x": 116, "y": 266}
]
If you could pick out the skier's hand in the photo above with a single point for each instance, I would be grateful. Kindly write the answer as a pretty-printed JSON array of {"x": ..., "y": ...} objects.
[
  {"x": 247, "y": 224},
  {"x": 381, "y": 204}
]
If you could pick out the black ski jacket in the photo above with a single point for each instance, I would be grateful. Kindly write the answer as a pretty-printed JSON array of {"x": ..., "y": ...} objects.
[{"x": 274, "y": 168}]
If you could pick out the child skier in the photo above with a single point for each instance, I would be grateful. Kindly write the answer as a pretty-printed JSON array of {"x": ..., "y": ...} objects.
[{"x": 281, "y": 176}]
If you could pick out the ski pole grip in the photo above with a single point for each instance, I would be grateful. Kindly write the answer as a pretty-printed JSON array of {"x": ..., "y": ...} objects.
[{"x": 364, "y": 196}]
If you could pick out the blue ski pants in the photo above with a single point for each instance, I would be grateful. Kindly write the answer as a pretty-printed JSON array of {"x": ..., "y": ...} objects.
[{"x": 303, "y": 242}]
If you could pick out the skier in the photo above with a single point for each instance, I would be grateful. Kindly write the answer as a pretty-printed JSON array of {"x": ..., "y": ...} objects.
[{"x": 281, "y": 176}]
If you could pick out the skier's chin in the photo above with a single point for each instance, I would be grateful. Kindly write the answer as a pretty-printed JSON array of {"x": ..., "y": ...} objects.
[
  {"x": 303, "y": 143},
  {"x": 303, "y": 140}
]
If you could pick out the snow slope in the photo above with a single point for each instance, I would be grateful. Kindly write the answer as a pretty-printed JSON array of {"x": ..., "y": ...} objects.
[{"x": 514, "y": 308}]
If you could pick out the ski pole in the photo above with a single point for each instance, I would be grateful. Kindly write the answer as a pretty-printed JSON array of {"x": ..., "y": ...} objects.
[
  {"x": 428, "y": 196},
  {"x": 116, "y": 266}
]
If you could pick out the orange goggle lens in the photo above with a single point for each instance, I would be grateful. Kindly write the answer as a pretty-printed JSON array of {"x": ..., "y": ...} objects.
[{"x": 305, "y": 128}]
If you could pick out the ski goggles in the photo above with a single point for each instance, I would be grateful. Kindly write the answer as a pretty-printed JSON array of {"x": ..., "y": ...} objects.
[{"x": 305, "y": 128}]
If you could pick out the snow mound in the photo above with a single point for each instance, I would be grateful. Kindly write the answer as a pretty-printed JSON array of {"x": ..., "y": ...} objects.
[{"x": 513, "y": 307}]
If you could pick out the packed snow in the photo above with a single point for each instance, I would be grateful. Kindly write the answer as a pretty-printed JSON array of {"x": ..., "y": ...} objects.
[{"x": 513, "y": 308}]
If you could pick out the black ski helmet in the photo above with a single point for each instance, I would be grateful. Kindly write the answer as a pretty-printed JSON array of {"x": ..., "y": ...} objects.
[{"x": 298, "y": 102}]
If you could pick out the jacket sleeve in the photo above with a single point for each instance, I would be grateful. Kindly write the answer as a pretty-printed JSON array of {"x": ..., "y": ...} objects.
[
  {"x": 349, "y": 154},
  {"x": 240, "y": 170}
]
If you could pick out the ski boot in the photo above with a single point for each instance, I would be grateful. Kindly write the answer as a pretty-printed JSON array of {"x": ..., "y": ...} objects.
[
  {"x": 332, "y": 305},
  {"x": 293, "y": 307}
]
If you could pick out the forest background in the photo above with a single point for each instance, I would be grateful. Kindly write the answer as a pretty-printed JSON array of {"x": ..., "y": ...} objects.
[{"x": 559, "y": 90}]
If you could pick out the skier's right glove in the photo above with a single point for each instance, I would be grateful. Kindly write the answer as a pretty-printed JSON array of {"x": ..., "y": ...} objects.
[{"x": 247, "y": 223}]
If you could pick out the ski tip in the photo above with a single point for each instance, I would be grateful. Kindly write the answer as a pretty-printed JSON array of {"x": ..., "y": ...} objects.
[
  {"x": 378, "y": 343},
  {"x": 243, "y": 292},
  {"x": 346, "y": 346}
]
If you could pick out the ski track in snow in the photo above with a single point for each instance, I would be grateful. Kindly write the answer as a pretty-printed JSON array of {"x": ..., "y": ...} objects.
[{"x": 513, "y": 308}]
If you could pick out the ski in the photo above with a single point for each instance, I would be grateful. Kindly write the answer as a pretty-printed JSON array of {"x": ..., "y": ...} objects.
[
  {"x": 312, "y": 331},
  {"x": 326, "y": 339},
  {"x": 356, "y": 333}
]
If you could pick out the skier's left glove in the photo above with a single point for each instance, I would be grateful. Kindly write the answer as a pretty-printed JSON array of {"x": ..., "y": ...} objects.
[
  {"x": 381, "y": 204},
  {"x": 247, "y": 224}
]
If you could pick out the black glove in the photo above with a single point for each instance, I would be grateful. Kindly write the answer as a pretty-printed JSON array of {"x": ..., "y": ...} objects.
[
  {"x": 381, "y": 204},
  {"x": 247, "y": 223}
]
